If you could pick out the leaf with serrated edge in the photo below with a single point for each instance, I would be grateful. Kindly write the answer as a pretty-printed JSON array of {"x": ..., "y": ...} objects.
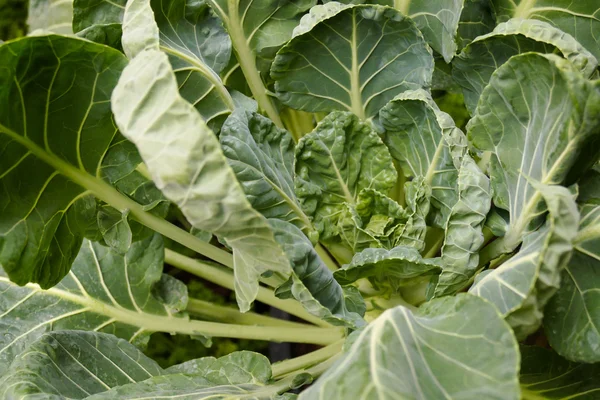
[
  {"x": 351, "y": 59},
  {"x": 75, "y": 365},
  {"x": 543, "y": 106},
  {"x": 105, "y": 292},
  {"x": 186, "y": 162},
  {"x": 442, "y": 350},
  {"x": 474, "y": 66}
]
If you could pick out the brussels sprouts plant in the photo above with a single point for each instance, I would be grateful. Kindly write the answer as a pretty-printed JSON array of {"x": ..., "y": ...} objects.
[{"x": 316, "y": 157}]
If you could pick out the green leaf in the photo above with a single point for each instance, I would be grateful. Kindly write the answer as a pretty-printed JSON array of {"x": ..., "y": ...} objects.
[
  {"x": 577, "y": 18},
  {"x": 61, "y": 135},
  {"x": 398, "y": 267},
  {"x": 186, "y": 162},
  {"x": 464, "y": 230},
  {"x": 522, "y": 286},
  {"x": 572, "y": 320},
  {"x": 544, "y": 375},
  {"x": 115, "y": 229},
  {"x": 334, "y": 163},
  {"x": 312, "y": 283},
  {"x": 419, "y": 137},
  {"x": 51, "y": 15},
  {"x": 541, "y": 105},
  {"x": 75, "y": 365},
  {"x": 196, "y": 43},
  {"x": 440, "y": 351},
  {"x": 99, "y": 20},
  {"x": 477, "y": 18},
  {"x": 238, "y": 375},
  {"x": 437, "y": 20},
  {"x": 105, "y": 292},
  {"x": 474, "y": 66},
  {"x": 351, "y": 58},
  {"x": 262, "y": 157}
]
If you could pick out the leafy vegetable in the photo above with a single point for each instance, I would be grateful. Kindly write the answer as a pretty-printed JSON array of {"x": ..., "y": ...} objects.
[{"x": 417, "y": 183}]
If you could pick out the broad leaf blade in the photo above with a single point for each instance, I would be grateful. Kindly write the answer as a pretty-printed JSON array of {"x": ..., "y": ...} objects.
[
  {"x": 464, "y": 230},
  {"x": 55, "y": 119},
  {"x": 572, "y": 321},
  {"x": 545, "y": 375},
  {"x": 351, "y": 59},
  {"x": 477, "y": 18},
  {"x": 312, "y": 283},
  {"x": 521, "y": 287},
  {"x": 474, "y": 66},
  {"x": 577, "y": 18},
  {"x": 75, "y": 365},
  {"x": 104, "y": 292},
  {"x": 99, "y": 20},
  {"x": 542, "y": 105},
  {"x": 262, "y": 157},
  {"x": 440, "y": 351},
  {"x": 186, "y": 162}
]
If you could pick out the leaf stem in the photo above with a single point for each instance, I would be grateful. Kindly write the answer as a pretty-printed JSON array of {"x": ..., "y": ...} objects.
[
  {"x": 224, "y": 278},
  {"x": 111, "y": 196},
  {"x": 307, "y": 360},
  {"x": 287, "y": 382},
  {"x": 231, "y": 315},
  {"x": 247, "y": 62}
]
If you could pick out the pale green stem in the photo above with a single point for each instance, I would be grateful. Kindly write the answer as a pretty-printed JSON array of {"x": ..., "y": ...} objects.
[
  {"x": 438, "y": 241},
  {"x": 307, "y": 360},
  {"x": 247, "y": 61},
  {"x": 298, "y": 123},
  {"x": 522, "y": 10},
  {"x": 402, "y": 5},
  {"x": 355, "y": 93},
  {"x": 224, "y": 278},
  {"x": 324, "y": 254},
  {"x": 206, "y": 309},
  {"x": 287, "y": 382}
]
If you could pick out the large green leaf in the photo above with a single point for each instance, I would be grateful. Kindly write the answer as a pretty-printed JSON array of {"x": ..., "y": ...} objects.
[
  {"x": 464, "y": 230},
  {"x": 398, "y": 267},
  {"x": 105, "y": 292},
  {"x": 312, "y": 283},
  {"x": 440, "y": 351},
  {"x": 51, "y": 15},
  {"x": 473, "y": 68},
  {"x": 521, "y": 287},
  {"x": 239, "y": 375},
  {"x": 186, "y": 162},
  {"x": 477, "y": 18},
  {"x": 334, "y": 163},
  {"x": 544, "y": 375},
  {"x": 572, "y": 318},
  {"x": 262, "y": 157},
  {"x": 539, "y": 118},
  {"x": 55, "y": 120},
  {"x": 196, "y": 43},
  {"x": 577, "y": 18},
  {"x": 75, "y": 365},
  {"x": 420, "y": 137},
  {"x": 351, "y": 58}
]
